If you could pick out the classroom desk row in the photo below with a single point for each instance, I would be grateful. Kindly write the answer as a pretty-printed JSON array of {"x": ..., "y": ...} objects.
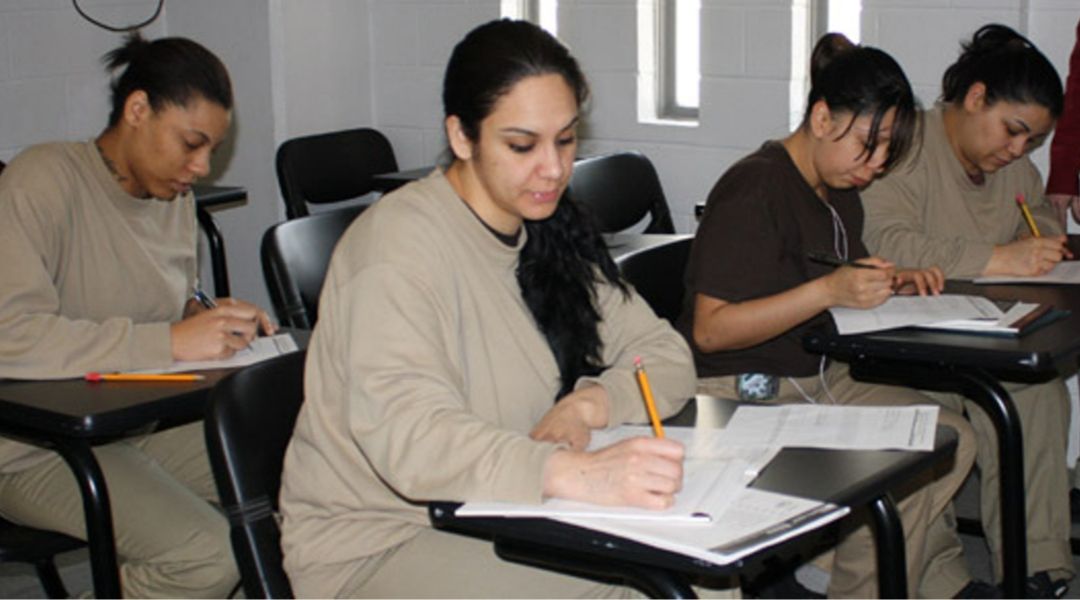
[{"x": 70, "y": 416}]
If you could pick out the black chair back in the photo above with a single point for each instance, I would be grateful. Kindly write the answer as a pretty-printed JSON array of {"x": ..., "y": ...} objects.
[
  {"x": 657, "y": 273},
  {"x": 621, "y": 189},
  {"x": 331, "y": 167},
  {"x": 295, "y": 256},
  {"x": 249, "y": 422}
]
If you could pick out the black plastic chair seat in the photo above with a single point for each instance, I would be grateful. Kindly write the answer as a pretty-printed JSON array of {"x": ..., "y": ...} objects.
[{"x": 657, "y": 274}]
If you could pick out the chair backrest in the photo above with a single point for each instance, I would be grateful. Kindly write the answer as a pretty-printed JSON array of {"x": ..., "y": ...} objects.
[
  {"x": 295, "y": 256},
  {"x": 249, "y": 422},
  {"x": 657, "y": 273},
  {"x": 331, "y": 167},
  {"x": 621, "y": 189}
]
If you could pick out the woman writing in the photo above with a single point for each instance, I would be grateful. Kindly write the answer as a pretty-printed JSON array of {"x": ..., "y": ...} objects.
[
  {"x": 472, "y": 332},
  {"x": 99, "y": 243},
  {"x": 756, "y": 283},
  {"x": 954, "y": 204}
]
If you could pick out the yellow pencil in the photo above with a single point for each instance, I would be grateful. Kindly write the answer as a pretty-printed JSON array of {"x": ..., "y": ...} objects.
[
  {"x": 646, "y": 393},
  {"x": 1027, "y": 215},
  {"x": 93, "y": 376}
]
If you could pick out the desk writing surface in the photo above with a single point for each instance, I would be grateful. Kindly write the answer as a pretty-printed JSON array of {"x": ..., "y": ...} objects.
[
  {"x": 1046, "y": 352},
  {"x": 81, "y": 409}
]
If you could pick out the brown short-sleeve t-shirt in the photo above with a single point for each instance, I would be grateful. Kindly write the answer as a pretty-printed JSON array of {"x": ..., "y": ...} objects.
[{"x": 760, "y": 222}]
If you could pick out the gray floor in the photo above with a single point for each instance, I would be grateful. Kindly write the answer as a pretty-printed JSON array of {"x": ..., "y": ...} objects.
[{"x": 19, "y": 581}]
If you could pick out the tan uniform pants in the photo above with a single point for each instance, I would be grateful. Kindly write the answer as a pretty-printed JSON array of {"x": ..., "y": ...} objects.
[
  {"x": 438, "y": 564},
  {"x": 1044, "y": 422},
  {"x": 935, "y": 561},
  {"x": 170, "y": 541}
]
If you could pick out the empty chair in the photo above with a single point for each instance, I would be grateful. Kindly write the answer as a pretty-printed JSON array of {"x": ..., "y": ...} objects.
[
  {"x": 249, "y": 422},
  {"x": 621, "y": 189},
  {"x": 657, "y": 274},
  {"x": 295, "y": 256},
  {"x": 331, "y": 167}
]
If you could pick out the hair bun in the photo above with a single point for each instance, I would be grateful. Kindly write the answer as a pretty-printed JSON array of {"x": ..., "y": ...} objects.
[{"x": 828, "y": 48}]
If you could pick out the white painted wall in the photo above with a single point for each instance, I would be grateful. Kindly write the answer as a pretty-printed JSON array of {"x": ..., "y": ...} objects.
[{"x": 305, "y": 66}]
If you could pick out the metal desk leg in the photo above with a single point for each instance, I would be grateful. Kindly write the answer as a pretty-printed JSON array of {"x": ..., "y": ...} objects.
[
  {"x": 217, "y": 252},
  {"x": 985, "y": 390},
  {"x": 996, "y": 402},
  {"x": 889, "y": 542},
  {"x": 98, "y": 515}
]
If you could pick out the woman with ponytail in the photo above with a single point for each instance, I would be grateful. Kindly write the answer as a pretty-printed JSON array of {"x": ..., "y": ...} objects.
[
  {"x": 472, "y": 332},
  {"x": 99, "y": 243},
  {"x": 757, "y": 284},
  {"x": 954, "y": 204}
]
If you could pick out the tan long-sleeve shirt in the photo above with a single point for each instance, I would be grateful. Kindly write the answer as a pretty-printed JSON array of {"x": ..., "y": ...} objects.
[
  {"x": 426, "y": 373},
  {"x": 91, "y": 276},
  {"x": 928, "y": 212}
]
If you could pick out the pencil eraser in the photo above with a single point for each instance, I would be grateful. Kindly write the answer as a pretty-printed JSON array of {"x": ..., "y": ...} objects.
[
  {"x": 93, "y": 376},
  {"x": 637, "y": 361}
]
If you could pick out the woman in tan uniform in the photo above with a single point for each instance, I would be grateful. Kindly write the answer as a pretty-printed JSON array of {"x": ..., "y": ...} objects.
[
  {"x": 952, "y": 204},
  {"x": 472, "y": 332},
  {"x": 99, "y": 246}
]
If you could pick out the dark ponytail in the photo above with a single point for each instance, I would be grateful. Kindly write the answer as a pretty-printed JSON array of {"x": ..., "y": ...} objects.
[
  {"x": 170, "y": 71},
  {"x": 856, "y": 79},
  {"x": 1011, "y": 68},
  {"x": 564, "y": 254}
]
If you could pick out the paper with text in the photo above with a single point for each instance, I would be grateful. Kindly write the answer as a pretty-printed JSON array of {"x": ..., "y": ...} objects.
[
  {"x": 756, "y": 519},
  {"x": 1065, "y": 272},
  {"x": 905, "y": 311},
  {"x": 836, "y": 427},
  {"x": 260, "y": 349},
  {"x": 713, "y": 475}
]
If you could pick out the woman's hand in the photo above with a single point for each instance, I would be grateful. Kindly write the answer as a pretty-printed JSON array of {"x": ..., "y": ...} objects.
[
  {"x": 1062, "y": 203},
  {"x": 856, "y": 287},
  {"x": 218, "y": 332},
  {"x": 641, "y": 472},
  {"x": 1028, "y": 256},
  {"x": 919, "y": 281},
  {"x": 573, "y": 417}
]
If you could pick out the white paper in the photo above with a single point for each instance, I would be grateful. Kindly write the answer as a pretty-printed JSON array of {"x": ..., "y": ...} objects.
[
  {"x": 1003, "y": 324},
  {"x": 755, "y": 520},
  {"x": 260, "y": 349},
  {"x": 836, "y": 427},
  {"x": 713, "y": 475},
  {"x": 904, "y": 311},
  {"x": 1067, "y": 272}
]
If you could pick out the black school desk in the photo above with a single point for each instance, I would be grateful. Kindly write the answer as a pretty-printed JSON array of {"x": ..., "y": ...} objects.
[
  {"x": 207, "y": 197},
  {"x": 843, "y": 477},
  {"x": 70, "y": 416},
  {"x": 973, "y": 365}
]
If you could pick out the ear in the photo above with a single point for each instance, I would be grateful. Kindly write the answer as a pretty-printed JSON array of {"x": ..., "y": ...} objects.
[
  {"x": 137, "y": 109},
  {"x": 460, "y": 143},
  {"x": 820, "y": 119},
  {"x": 975, "y": 98}
]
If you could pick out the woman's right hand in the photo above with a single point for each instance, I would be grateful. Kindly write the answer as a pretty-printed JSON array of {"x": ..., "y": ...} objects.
[
  {"x": 215, "y": 333},
  {"x": 1027, "y": 256},
  {"x": 855, "y": 287},
  {"x": 640, "y": 472}
]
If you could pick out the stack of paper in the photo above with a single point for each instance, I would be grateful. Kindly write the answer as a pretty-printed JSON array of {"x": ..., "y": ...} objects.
[
  {"x": 260, "y": 349},
  {"x": 954, "y": 312}
]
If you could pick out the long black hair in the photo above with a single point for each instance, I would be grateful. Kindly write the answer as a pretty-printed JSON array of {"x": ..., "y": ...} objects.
[
  {"x": 171, "y": 71},
  {"x": 862, "y": 79},
  {"x": 564, "y": 255}
]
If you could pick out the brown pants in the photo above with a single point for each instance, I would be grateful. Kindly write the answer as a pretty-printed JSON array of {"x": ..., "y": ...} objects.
[
  {"x": 935, "y": 561},
  {"x": 1044, "y": 422},
  {"x": 171, "y": 542}
]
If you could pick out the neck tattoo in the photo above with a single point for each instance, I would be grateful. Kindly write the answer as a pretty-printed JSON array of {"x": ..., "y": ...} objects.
[{"x": 109, "y": 164}]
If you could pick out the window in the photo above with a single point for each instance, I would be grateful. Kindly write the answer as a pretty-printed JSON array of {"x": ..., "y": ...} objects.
[
  {"x": 544, "y": 13},
  {"x": 669, "y": 60},
  {"x": 811, "y": 19}
]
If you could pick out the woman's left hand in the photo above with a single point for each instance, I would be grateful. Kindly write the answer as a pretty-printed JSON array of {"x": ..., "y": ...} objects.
[
  {"x": 919, "y": 281},
  {"x": 573, "y": 418}
]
